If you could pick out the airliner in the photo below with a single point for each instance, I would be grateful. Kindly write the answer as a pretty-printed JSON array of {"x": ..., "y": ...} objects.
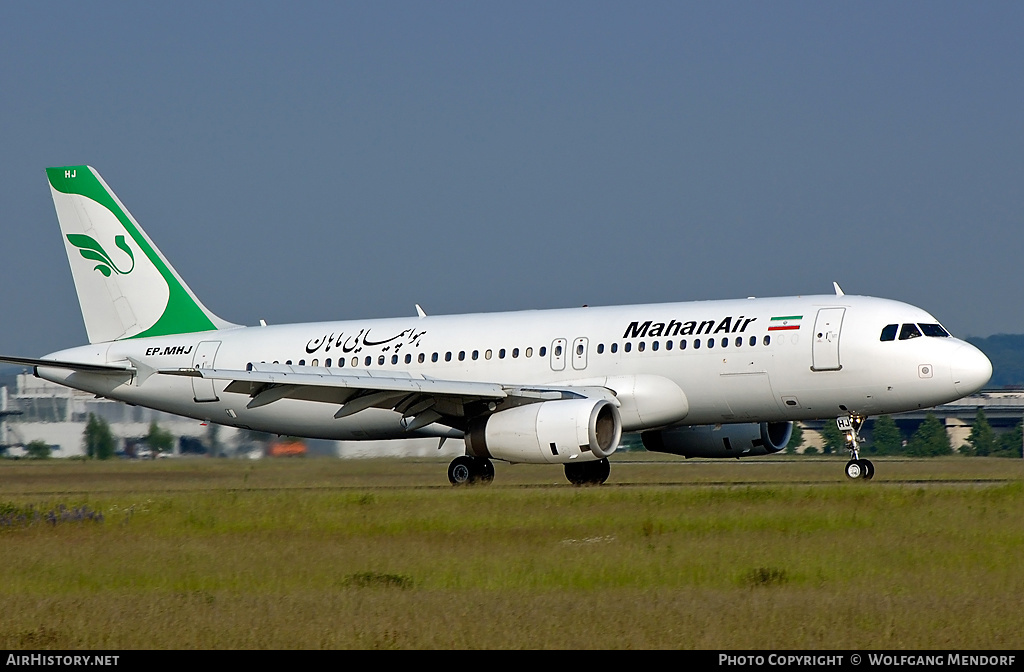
[{"x": 712, "y": 379}]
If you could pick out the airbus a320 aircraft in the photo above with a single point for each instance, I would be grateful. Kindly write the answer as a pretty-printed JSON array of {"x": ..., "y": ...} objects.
[{"x": 707, "y": 379}]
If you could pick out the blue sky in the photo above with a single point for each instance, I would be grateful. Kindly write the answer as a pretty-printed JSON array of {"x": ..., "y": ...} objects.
[{"x": 308, "y": 161}]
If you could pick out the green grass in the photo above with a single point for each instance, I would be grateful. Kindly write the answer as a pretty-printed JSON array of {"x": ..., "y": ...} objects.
[{"x": 326, "y": 553}]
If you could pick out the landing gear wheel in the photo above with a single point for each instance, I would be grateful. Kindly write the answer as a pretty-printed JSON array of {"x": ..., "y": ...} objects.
[
  {"x": 600, "y": 471},
  {"x": 869, "y": 469},
  {"x": 854, "y": 470},
  {"x": 576, "y": 473},
  {"x": 485, "y": 470},
  {"x": 466, "y": 469},
  {"x": 461, "y": 470},
  {"x": 588, "y": 473}
]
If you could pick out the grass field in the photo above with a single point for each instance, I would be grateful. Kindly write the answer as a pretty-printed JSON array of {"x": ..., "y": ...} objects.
[{"x": 323, "y": 553}]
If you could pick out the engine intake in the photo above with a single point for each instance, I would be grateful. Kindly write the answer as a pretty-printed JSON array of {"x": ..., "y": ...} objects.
[
  {"x": 739, "y": 440},
  {"x": 547, "y": 432}
]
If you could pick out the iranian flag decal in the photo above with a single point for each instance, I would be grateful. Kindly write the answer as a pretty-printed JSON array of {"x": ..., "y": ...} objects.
[{"x": 785, "y": 323}]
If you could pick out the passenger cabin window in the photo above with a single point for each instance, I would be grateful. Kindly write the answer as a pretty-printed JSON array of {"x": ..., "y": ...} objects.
[
  {"x": 889, "y": 332},
  {"x": 909, "y": 331},
  {"x": 934, "y": 330}
]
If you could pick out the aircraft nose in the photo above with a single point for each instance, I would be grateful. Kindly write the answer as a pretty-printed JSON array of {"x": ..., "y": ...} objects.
[{"x": 970, "y": 368}]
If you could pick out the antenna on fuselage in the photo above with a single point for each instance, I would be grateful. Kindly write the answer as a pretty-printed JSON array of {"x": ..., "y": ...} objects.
[
  {"x": 419, "y": 311},
  {"x": 839, "y": 290}
]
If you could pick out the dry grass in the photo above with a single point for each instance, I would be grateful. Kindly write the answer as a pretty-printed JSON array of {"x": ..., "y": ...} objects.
[{"x": 384, "y": 554}]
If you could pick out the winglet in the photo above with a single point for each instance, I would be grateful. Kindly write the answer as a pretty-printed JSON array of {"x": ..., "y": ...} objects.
[{"x": 839, "y": 290}]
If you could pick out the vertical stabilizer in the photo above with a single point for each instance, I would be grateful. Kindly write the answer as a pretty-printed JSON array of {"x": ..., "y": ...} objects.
[{"x": 126, "y": 287}]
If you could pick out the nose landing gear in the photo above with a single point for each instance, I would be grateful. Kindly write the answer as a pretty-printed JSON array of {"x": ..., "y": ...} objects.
[{"x": 850, "y": 426}]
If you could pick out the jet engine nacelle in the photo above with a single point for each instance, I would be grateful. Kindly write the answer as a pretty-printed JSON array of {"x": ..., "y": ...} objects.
[
  {"x": 739, "y": 440},
  {"x": 557, "y": 431}
]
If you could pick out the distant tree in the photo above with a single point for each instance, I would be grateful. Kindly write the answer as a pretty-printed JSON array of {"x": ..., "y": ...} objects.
[
  {"x": 1010, "y": 443},
  {"x": 248, "y": 439},
  {"x": 38, "y": 450},
  {"x": 159, "y": 440},
  {"x": 833, "y": 440},
  {"x": 99, "y": 441},
  {"x": 796, "y": 440},
  {"x": 213, "y": 440},
  {"x": 886, "y": 437},
  {"x": 810, "y": 450},
  {"x": 930, "y": 439},
  {"x": 982, "y": 440}
]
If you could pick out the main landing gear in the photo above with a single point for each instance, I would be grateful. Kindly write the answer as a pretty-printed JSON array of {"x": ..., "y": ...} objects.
[
  {"x": 468, "y": 469},
  {"x": 588, "y": 473},
  {"x": 856, "y": 468}
]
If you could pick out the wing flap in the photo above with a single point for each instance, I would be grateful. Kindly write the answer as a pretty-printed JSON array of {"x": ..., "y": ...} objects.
[{"x": 246, "y": 382}]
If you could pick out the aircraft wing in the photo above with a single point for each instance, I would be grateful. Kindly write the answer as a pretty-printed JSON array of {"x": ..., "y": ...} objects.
[{"x": 421, "y": 399}]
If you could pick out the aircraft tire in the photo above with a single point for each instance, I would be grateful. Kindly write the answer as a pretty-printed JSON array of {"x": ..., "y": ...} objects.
[
  {"x": 462, "y": 470},
  {"x": 854, "y": 469},
  {"x": 575, "y": 473},
  {"x": 484, "y": 470},
  {"x": 869, "y": 469},
  {"x": 588, "y": 473}
]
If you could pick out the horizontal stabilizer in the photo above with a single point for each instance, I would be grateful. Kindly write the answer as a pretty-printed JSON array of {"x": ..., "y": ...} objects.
[{"x": 73, "y": 366}]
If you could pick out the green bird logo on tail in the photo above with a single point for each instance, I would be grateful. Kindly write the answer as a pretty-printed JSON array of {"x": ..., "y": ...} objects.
[{"x": 93, "y": 251}]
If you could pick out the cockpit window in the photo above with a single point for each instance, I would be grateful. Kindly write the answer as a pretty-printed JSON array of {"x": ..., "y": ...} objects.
[
  {"x": 909, "y": 331},
  {"x": 889, "y": 332},
  {"x": 934, "y": 330}
]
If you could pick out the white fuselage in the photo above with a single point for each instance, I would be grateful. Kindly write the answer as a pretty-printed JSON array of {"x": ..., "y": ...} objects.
[{"x": 732, "y": 361}]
